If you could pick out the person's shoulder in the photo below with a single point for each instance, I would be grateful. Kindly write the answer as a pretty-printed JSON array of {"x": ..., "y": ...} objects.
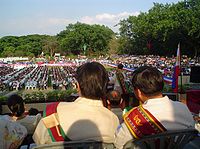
[
  {"x": 6, "y": 118},
  {"x": 37, "y": 116},
  {"x": 65, "y": 106}
]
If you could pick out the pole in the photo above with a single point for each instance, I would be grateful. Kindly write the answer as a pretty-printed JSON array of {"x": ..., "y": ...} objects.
[{"x": 181, "y": 75}]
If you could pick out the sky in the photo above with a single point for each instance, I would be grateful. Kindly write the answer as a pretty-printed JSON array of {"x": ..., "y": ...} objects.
[{"x": 25, "y": 17}]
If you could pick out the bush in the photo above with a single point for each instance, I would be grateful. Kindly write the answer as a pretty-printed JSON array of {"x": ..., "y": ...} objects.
[
  {"x": 58, "y": 95},
  {"x": 3, "y": 99},
  {"x": 34, "y": 97},
  {"x": 52, "y": 96}
]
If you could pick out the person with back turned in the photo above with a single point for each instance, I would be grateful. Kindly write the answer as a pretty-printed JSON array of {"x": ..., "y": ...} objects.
[
  {"x": 156, "y": 113},
  {"x": 84, "y": 119}
]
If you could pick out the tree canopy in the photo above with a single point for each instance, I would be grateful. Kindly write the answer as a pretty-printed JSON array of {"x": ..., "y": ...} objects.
[
  {"x": 157, "y": 31},
  {"x": 84, "y": 38}
]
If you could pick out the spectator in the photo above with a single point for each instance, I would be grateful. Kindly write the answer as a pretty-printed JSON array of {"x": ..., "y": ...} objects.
[
  {"x": 113, "y": 103},
  {"x": 16, "y": 105},
  {"x": 12, "y": 134},
  {"x": 120, "y": 86},
  {"x": 84, "y": 119},
  {"x": 160, "y": 112},
  {"x": 33, "y": 111}
]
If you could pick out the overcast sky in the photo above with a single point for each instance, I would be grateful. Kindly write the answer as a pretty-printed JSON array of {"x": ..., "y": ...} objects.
[{"x": 24, "y": 17}]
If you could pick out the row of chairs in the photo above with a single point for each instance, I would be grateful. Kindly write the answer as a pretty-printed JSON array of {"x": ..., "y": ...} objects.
[{"x": 182, "y": 139}]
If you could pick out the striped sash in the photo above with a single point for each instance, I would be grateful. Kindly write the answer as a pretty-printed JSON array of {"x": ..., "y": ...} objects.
[
  {"x": 141, "y": 122},
  {"x": 52, "y": 123},
  {"x": 120, "y": 78}
]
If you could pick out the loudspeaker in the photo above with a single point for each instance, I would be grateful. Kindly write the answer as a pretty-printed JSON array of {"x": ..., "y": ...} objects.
[{"x": 195, "y": 74}]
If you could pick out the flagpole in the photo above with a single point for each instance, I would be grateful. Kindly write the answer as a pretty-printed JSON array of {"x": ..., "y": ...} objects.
[{"x": 181, "y": 89}]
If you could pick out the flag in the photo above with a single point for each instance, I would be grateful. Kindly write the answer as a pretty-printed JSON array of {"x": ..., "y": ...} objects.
[{"x": 176, "y": 71}]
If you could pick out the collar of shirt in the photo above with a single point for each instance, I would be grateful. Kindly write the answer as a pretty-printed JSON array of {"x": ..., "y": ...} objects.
[
  {"x": 156, "y": 100},
  {"x": 87, "y": 101}
]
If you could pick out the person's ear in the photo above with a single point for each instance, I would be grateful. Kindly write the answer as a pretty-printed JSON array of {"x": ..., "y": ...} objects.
[
  {"x": 108, "y": 104},
  {"x": 78, "y": 88},
  {"x": 138, "y": 93}
]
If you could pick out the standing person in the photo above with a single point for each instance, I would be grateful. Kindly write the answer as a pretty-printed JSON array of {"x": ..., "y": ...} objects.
[
  {"x": 120, "y": 86},
  {"x": 84, "y": 119},
  {"x": 156, "y": 113}
]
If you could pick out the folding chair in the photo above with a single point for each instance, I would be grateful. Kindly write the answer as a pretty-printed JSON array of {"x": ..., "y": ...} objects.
[
  {"x": 76, "y": 145},
  {"x": 166, "y": 140}
]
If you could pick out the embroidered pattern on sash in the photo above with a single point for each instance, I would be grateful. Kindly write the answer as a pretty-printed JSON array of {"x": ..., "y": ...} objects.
[{"x": 141, "y": 122}]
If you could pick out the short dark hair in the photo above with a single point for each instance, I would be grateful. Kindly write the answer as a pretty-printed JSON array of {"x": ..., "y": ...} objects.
[
  {"x": 16, "y": 105},
  {"x": 92, "y": 78},
  {"x": 148, "y": 79},
  {"x": 33, "y": 111},
  {"x": 120, "y": 66}
]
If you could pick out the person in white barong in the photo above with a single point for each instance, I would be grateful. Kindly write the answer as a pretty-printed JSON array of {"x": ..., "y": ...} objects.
[
  {"x": 84, "y": 119},
  {"x": 169, "y": 115}
]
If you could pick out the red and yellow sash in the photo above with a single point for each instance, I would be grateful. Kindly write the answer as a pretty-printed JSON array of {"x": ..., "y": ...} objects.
[
  {"x": 141, "y": 122},
  {"x": 52, "y": 124}
]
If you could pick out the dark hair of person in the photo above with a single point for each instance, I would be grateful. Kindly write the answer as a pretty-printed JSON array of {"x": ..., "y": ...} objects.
[
  {"x": 148, "y": 79},
  {"x": 16, "y": 105},
  {"x": 92, "y": 78},
  {"x": 114, "y": 100},
  {"x": 120, "y": 66},
  {"x": 33, "y": 111}
]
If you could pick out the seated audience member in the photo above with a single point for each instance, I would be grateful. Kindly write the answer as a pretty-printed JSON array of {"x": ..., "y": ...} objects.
[
  {"x": 33, "y": 111},
  {"x": 155, "y": 110},
  {"x": 12, "y": 134},
  {"x": 84, "y": 119},
  {"x": 113, "y": 103},
  {"x": 16, "y": 105}
]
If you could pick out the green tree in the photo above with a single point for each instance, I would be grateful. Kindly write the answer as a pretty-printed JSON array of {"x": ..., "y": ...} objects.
[
  {"x": 50, "y": 45},
  {"x": 159, "y": 30},
  {"x": 8, "y": 52},
  {"x": 113, "y": 45},
  {"x": 76, "y": 36}
]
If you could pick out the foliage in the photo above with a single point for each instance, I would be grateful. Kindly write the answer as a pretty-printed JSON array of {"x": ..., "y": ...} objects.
[
  {"x": 113, "y": 45},
  {"x": 82, "y": 38},
  {"x": 22, "y": 46},
  {"x": 3, "y": 99},
  {"x": 57, "y": 95},
  {"x": 34, "y": 97},
  {"x": 159, "y": 30},
  {"x": 53, "y": 95},
  {"x": 50, "y": 45},
  {"x": 73, "y": 40}
]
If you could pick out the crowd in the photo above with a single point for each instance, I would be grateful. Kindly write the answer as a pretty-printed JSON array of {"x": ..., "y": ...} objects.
[
  {"x": 90, "y": 116},
  {"x": 37, "y": 76}
]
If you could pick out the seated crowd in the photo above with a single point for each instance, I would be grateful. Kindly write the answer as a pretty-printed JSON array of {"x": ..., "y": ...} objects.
[{"x": 92, "y": 116}]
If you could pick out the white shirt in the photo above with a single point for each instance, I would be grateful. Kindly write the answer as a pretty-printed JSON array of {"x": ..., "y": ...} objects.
[
  {"x": 11, "y": 134},
  {"x": 173, "y": 115},
  {"x": 83, "y": 119},
  {"x": 29, "y": 121}
]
